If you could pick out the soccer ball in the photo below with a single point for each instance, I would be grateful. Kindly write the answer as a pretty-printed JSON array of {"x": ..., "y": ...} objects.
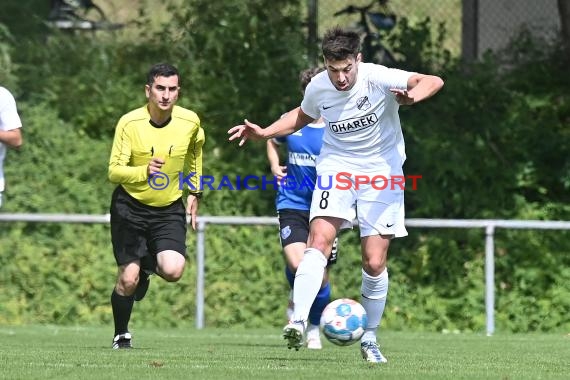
[{"x": 343, "y": 321}]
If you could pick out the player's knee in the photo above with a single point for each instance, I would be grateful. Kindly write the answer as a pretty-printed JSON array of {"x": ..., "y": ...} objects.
[
  {"x": 172, "y": 276},
  {"x": 374, "y": 265},
  {"x": 126, "y": 284},
  {"x": 172, "y": 273},
  {"x": 170, "y": 265},
  {"x": 323, "y": 244}
]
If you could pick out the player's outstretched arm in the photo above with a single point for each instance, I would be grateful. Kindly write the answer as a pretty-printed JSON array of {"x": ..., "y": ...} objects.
[
  {"x": 291, "y": 122},
  {"x": 420, "y": 87}
]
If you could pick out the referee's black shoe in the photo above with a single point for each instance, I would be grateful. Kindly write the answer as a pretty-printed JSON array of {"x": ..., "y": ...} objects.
[{"x": 122, "y": 341}]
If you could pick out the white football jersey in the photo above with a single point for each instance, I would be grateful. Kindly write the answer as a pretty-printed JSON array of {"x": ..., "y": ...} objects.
[
  {"x": 9, "y": 119},
  {"x": 363, "y": 131}
]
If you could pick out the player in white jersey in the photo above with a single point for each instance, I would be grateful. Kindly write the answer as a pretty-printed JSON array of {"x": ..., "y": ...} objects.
[
  {"x": 10, "y": 129},
  {"x": 360, "y": 166}
]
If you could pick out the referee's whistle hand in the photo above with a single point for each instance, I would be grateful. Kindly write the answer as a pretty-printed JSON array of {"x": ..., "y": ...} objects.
[{"x": 155, "y": 165}]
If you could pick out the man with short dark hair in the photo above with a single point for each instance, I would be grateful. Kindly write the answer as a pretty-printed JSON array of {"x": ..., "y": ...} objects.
[
  {"x": 359, "y": 103},
  {"x": 152, "y": 146}
]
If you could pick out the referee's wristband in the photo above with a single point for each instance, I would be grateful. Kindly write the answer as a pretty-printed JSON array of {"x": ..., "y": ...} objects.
[{"x": 197, "y": 195}]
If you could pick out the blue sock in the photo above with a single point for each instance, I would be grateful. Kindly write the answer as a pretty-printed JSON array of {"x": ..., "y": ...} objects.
[
  {"x": 321, "y": 301},
  {"x": 290, "y": 276}
]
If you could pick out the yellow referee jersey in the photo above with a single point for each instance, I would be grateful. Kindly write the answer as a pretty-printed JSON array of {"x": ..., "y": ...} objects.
[{"x": 136, "y": 141}]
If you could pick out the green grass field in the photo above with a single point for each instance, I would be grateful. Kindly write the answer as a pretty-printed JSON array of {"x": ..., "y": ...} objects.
[{"x": 54, "y": 352}]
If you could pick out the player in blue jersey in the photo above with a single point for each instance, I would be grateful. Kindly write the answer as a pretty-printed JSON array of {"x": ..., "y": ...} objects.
[{"x": 293, "y": 203}]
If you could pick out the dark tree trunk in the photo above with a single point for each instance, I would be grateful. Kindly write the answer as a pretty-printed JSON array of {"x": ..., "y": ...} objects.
[{"x": 564, "y": 11}]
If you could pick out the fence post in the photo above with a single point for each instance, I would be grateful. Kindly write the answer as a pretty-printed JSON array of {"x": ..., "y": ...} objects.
[
  {"x": 200, "y": 277},
  {"x": 490, "y": 278},
  {"x": 470, "y": 32},
  {"x": 313, "y": 26}
]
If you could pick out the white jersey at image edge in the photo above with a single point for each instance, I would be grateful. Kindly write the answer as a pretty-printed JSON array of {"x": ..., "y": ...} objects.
[{"x": 9, "y": 120}]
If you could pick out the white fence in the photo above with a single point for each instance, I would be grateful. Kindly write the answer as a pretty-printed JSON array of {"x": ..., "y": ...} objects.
[{"x": 488, "y": 224}]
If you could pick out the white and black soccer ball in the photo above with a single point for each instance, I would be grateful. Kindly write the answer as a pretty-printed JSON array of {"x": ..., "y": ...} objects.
[{"x": 343, "y": 321}]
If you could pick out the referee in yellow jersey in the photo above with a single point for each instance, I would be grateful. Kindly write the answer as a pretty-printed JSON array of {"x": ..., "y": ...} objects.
[{"x": 154, "y": 146}]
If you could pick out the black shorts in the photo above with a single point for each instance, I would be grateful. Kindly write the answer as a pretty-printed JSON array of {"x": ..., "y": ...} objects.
[
  {"x": 294, "y": 228},
  {"x": 138, "y": 229}
]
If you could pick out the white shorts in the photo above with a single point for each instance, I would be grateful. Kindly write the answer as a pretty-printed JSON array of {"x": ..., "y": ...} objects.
[{"x": 378, "y": 204}]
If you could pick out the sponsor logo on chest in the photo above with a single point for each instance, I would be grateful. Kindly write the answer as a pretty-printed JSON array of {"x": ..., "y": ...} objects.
[
  {"x": 302, "y": 159},
  {"x": 354, "y": 124}
]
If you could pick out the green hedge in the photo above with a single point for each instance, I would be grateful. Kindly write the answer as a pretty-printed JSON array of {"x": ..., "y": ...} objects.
[{"x": 64, "y": 274}]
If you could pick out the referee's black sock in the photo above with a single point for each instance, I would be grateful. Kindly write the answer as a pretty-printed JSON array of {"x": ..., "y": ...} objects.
[{"x": 122, "y": 308}]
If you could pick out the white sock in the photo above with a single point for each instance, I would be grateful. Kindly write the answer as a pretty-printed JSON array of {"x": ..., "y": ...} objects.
[
  {"x": 313, "y": 331},
  {"x": 374, "y": 291},
  {"x": 308, "y": 280}
]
